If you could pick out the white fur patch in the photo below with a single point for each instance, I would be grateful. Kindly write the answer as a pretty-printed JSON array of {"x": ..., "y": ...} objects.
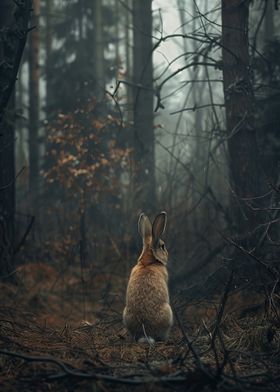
[{"x": 147, "y": 339}]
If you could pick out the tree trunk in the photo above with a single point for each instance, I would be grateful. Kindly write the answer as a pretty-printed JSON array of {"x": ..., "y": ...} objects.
[
  {"x": 34, "y": 46},
  {"x": 99, "y": 49},
  {"x": 7, "y": 190},
  {"x": 48, "y": 43},
  {"x": 128, "y": 54},
  {"x": 14, "y": 19},
  {"x": 269, "y": 21},
  {"x": 244, "y": 168},
  {"x": 20, "y": 126},
  {"x": 144, "y": 138},
  {"x": 117, "y": 38}
]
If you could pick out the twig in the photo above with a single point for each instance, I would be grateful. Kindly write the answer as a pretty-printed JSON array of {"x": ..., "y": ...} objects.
[
  {"x": 194, "y": 108},
  {"x": 74, "y": 373},
  {"x": 27, "y": 231},
  {"x": 197, "y": 359},
  {"x": 2, "y": 188},
  {"x": 271, "y": 270},
  {"x": 222, "y": 306}
]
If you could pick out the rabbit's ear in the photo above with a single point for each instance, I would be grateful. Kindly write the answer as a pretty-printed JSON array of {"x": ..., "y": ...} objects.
[
  {"x": 144, "y": 227},
  {"x": 159, "y": 226}
]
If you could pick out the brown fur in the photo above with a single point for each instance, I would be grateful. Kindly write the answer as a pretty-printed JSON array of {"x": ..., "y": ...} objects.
[{"x": 147, "y": 312}]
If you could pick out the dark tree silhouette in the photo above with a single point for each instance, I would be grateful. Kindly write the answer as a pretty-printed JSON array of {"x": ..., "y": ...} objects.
[
  {"x": 14, "y": 19},
  {"x": 34, "y": 75},
  {"x": 244, "y": 164},
  {"x": 144, "y": 139}
]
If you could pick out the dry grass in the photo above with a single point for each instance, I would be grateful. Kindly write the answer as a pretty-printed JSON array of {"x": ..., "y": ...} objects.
[{"x": 46, "y": 345}]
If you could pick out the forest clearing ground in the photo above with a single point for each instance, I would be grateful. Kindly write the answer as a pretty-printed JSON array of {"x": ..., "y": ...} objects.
[{"x": 46, "y": 345}]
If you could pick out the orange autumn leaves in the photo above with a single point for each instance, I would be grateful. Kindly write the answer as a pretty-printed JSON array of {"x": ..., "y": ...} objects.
[{"x": 85, "y": 151}]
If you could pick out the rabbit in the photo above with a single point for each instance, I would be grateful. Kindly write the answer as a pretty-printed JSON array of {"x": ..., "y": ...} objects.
[{"x": 147, "y": 314}]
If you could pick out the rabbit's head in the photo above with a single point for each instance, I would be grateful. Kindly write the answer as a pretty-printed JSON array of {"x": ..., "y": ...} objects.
[{"x": 153, "y": 246}]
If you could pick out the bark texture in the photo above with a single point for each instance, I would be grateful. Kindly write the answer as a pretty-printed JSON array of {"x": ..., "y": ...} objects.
[
  {"x": 14, "y": 19},
  {"x": 34, "y": 77},
  {"x": 144, "y": 138},
  {"x": 244, "y": 166}
]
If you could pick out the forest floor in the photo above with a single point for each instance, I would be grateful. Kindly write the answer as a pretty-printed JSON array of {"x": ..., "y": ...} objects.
[{"x": 59, "y": 333}]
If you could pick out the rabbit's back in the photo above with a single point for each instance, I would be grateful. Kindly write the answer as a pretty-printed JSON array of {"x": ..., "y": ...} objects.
[{"x": 147, "y": 302}]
